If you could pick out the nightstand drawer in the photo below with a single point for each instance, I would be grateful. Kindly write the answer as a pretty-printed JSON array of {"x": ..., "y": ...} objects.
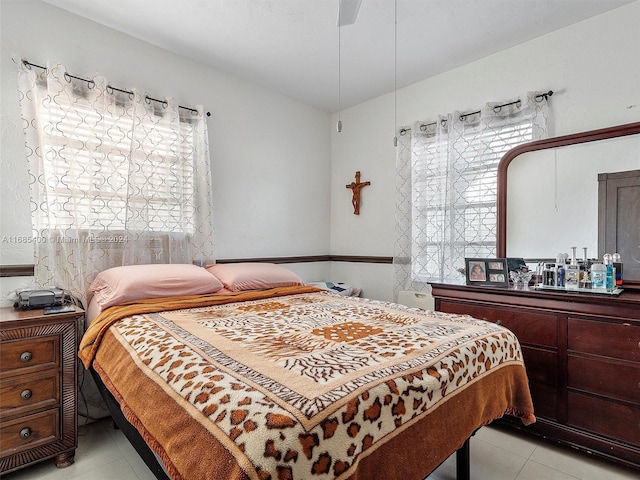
[
  {"x": 21, "y": 395},
  {"x": 29, "y": 432},
  {"x": 20, "y": 356}
]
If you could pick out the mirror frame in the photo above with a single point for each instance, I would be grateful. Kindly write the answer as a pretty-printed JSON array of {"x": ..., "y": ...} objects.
[{"x": 547, "y": 143}]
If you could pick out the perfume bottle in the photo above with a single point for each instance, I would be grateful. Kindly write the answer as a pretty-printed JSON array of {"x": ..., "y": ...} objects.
[
  {"x": 540, "y": 273},
  {"x": 572, "y": 273},
  {"x": 561, "y": 274},
  {"x": 586, "y": 262},
  {"x": 617, "y": 265},
  {"x": 610, "y": 274},
  {"x": 549, "y": 275}
]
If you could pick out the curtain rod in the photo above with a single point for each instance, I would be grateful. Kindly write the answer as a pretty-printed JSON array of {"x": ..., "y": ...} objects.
[
  {"x": 496, "y": 108},
  {"x": 91, "y": 84}
]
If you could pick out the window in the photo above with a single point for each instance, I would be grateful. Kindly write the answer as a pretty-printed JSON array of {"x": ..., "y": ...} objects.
[
  {"x": 104, "y": 166},
  {"x": 455, "y": 204},
  {"x": 447, "y": 181},
  {"x": 117, "y": 178}
]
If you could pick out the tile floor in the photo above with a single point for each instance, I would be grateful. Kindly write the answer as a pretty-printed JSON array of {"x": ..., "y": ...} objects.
[{"x": 105, "y": 454}]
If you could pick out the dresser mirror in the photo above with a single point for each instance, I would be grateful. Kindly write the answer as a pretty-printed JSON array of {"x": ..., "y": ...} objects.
[{"x": 548, "y": 194}]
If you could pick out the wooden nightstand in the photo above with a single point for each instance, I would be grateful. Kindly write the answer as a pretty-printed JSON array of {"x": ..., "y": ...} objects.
[{"x": 38, "y": 387}]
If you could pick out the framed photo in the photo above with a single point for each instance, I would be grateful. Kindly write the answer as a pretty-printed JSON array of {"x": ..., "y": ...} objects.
[{"x": 487, "y": 271}]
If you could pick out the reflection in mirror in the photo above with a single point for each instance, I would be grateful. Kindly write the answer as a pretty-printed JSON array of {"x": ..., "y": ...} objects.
[
  {"x": 548, "y": 191},
  {"x": 552, "y": 196}
]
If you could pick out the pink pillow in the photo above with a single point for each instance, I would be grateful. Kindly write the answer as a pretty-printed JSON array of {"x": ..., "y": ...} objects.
[
  {"x": 253, "y": 276},
  {"x": 133, "y": 282}
]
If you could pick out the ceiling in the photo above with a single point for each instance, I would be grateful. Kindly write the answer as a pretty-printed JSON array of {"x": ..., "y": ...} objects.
[{"x": 295, "y": 47}]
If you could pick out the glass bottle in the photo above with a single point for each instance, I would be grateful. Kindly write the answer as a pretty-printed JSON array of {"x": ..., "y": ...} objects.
[{"x": 610, "y": 274}]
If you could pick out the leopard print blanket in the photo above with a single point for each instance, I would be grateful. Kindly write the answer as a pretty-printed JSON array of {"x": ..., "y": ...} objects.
[{"x": 304, "y": 385}]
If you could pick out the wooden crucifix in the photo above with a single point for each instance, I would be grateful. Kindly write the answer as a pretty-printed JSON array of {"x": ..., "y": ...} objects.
[{"x": 356, "y": 187}]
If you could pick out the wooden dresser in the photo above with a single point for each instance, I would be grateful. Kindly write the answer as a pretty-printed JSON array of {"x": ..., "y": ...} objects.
[
  {"x": 38, "y": 387},
  {"x": 582, "y": 354}
]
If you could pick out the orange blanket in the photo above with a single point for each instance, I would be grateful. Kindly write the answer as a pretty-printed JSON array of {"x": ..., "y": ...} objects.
[{"x": 293, "y": 383}]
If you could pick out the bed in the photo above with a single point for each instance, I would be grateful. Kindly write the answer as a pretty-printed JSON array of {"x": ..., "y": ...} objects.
[{"x": 268, "y": 378}]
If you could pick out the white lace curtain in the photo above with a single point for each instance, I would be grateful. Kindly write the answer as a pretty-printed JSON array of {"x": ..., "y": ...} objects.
[
  {"x": 446, "y": 187},
  {"x": 117, "y": 178}
]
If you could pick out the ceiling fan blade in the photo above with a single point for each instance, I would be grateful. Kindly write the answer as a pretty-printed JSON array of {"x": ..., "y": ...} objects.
[{"x": 348, "y": 11}]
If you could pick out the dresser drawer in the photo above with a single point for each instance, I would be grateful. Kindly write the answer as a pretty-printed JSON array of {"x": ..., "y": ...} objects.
[
  {"x": 616, "y": 340},
  {"x": 531, "y": 327},
  {"x": 541, "y": 365},
  {"x": 615, "y": 420},
  {"x": 21, "y": 395},
  {"x": 620, "y": 380},
  {"x": 29, "y": 432},
  {"x": 545, "y": 400},
  {"x": 27, "y": 354}
]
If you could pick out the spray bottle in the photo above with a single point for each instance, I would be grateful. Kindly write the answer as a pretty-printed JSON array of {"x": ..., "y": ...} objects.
[{"x": 610, "y": 273}]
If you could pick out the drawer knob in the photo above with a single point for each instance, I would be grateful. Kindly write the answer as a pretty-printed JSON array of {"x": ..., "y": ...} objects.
[
  {"x": 26, "y": 394},
  {"x": 498, "y": 322},
  {"x": 25, "y": 432},
  {"x": 26, "y": 356}
]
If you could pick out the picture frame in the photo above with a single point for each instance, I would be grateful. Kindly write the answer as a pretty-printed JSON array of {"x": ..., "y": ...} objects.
[{"x": 487, "y": 271}]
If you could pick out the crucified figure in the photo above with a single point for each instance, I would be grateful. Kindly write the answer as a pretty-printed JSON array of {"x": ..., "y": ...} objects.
[{"x": 356, "y": 187}]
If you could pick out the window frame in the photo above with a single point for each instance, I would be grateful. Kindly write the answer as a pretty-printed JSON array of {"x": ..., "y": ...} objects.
[{"x": 90, "y": 151}]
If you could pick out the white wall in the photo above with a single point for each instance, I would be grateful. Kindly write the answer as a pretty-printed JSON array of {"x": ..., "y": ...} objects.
[
  {"x": 270, "y": 155},
  {"x": 280, "y": 170},
  {"x": 593, "y": 67}
]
